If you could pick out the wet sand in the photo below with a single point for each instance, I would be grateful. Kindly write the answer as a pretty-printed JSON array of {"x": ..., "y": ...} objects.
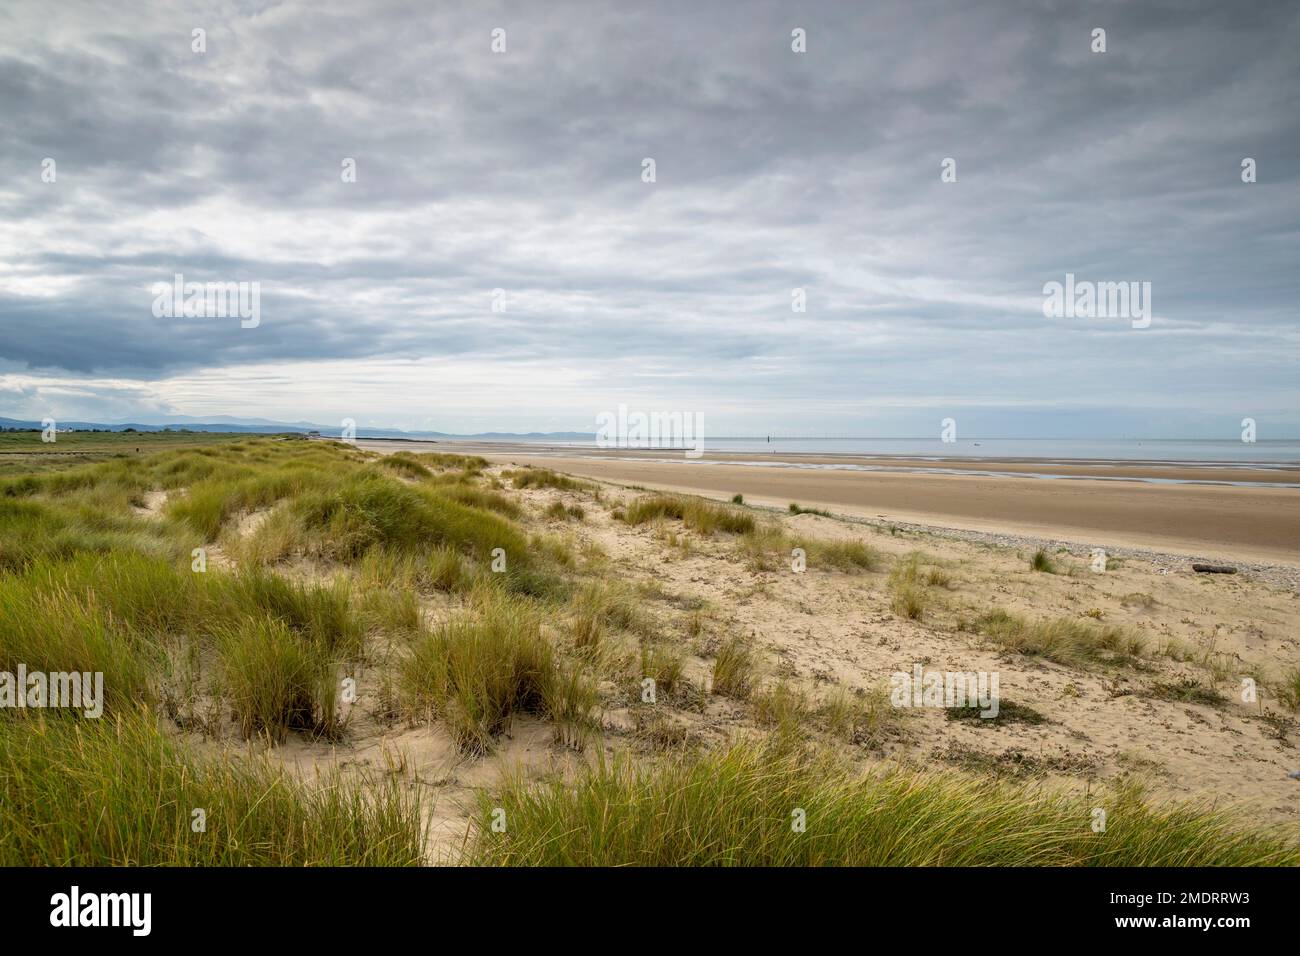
[
  {"x": 1154, "y": 470},
  {"x": 1088, "y": 505}
]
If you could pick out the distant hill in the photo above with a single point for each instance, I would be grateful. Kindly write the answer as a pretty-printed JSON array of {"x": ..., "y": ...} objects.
[{"x": 262, "y": 426}]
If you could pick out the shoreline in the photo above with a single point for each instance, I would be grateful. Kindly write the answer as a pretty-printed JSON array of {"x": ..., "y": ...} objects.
[
  {"x": 1281, "y": 472},
  {"x": 1256, "y": 522}
]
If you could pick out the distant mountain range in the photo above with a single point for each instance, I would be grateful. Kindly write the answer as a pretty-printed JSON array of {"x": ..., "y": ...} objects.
[{"x": 263, "y": 426}]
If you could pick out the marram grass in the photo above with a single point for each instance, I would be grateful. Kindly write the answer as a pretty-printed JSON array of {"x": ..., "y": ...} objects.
[
  {"x": 741, "y": 807},
  {"x": 697, "y": 514},
  {"x": 119, "y": 792},
  {"x": 483, "y": 667}
]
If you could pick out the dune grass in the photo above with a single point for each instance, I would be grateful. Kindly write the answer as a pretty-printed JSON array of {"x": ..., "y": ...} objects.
[
  {"x": 922, "y": 570},
  {"x": 89, "y": 508},
  {"x": 665, "y": 665},
  {"x": 441, "y": 568},
  {"x": 1188, "y": 690},
  {"x": 123, "y": 793},
  {"x": 1063, "y": 640},
  {"x": 470, "y": 464},
  {"x": 782, "y": 706},
  {"x": 449, "y": 571},
  {"x": 742, "y": 806},
  {"x": 908, "y": 596},
  {"x": 482, "y": 498},
  {"x": 769, "y": 547},
  {"x": 697, "y": 514},
  {"x": 734, "y": 669},
  {"x": 46, "y": 626},
  {"x": 598, "y": 605},
  {"x": 277, "y": 537},
  {"x": 1289, "y": 688},
  {"x": 98, "y": 586},
  {"x": 853, "y": 555},
  {"x": 390, "y": 610},
  {"x": 369, "y": 510},
  {"x": 913, "y": 581},
  {"x": 559, "y": 511},
  {"x": 277, "y": 681},
  {"x": 797, "y": 509},
  {"x": 320, "y": 613},
  {"x": 116, "y": 614},
  {"x": 1042, "y": 561},
  {"x": 570, "y": 699},
  {"x": 406, "y": 464},
  {"x": 864, "y": 717},
  {"x": 205, "y": 508},
  {"x": 206, "y": 504},
  {"x": 482, "y": 668},
  {"x": 908, "y": 600},
  {"x": 545, "y": 478},
  {"x": 32, "y": 530}
]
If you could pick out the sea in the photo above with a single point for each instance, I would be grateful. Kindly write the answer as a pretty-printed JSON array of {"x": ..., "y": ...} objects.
[{"x": 1146, "y": 450}]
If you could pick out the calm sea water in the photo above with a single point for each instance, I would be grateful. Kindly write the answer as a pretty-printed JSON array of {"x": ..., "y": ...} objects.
[{"x": 1219, "y": 452}]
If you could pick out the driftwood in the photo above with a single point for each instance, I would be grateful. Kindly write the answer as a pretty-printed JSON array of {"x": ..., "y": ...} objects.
[{"x": 1214, "y": 569}]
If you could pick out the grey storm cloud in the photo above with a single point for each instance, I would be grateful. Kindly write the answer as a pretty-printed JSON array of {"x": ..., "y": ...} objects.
[{"x": 776, "y": 170}]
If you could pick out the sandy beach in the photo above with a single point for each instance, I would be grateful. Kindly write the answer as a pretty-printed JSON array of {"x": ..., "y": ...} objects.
[
  {"x": 1102, "y": 504},
  {"x": 814, "y": 631}
]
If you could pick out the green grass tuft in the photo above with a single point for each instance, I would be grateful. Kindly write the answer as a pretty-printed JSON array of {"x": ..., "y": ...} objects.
[
  {"x": 545, "y": 478},
  {"x": 1042, "y": 561},
  {"x": 1064, "y": 640},
  {"x": 698, "y": 514},
  {"x": 734, "y": 670},
  {"x": 478, "y": 670},
  {"x": 123, "y": 793},
  {"x": 796, "y": 509},
  {"x": 737, "y": 807}
]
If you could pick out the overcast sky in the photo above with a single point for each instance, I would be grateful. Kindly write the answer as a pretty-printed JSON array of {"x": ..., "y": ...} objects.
[{"x": 775, "y": 170}]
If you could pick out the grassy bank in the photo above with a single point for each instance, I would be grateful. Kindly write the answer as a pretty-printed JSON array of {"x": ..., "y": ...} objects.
[
  {"x": 125, "y": 793},
  {"x": 775, "y": 804}
]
